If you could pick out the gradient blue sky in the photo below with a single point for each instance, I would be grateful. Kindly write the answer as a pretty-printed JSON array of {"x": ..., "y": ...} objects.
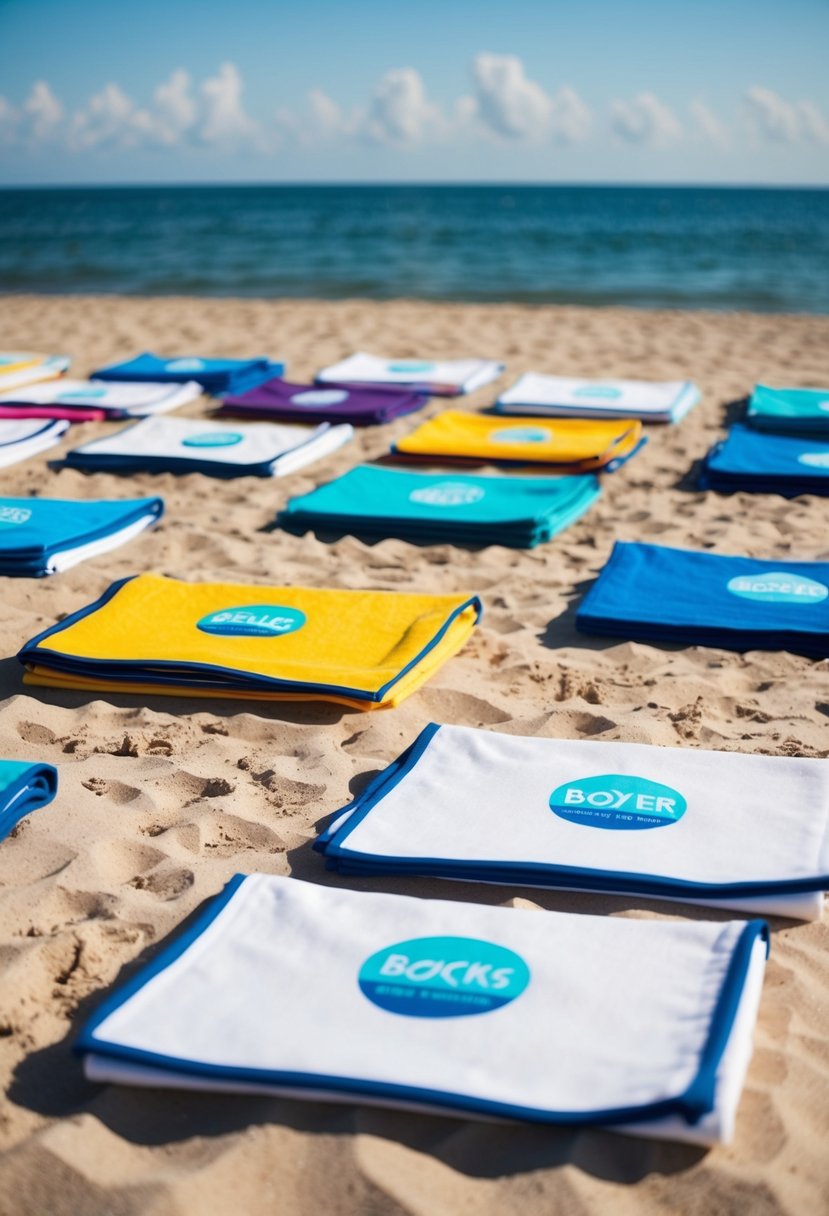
[{"x": 589, "y": 90}]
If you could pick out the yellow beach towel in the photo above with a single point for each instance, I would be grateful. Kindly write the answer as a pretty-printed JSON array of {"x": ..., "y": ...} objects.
[
  {"x": 571, "y": 444},
  {"x": 157, "y": 635}
]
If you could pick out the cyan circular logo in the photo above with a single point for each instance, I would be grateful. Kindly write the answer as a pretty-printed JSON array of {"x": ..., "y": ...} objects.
[
  {"x": 778, "y": 587},
  {"x": 410, "y": 365},
  {"x": 253, "y": 621},
  {"x": 823, "y": 405},
  {"x": 81, "y": 398},
  {"x": 185, "y": 365},
  {"x": 213, "y": 439},
  {"x": 619, "y": 803},
  {"x": 522, "y": 434},
  {"x": 607, "y": 392},
  {"x": 815, "y": 460},
  {"x": 443, "y": 977},
  {"x": 14, "y": 515},
  {"x": 319, "y": 396},
  {"x": 447, "y": 494}
]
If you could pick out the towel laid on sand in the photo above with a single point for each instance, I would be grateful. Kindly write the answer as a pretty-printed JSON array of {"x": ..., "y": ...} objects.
[
  {"x": 440, "y": 378},
  {"x": 364, "y": 649},
  {"x": 563, "y": 396},
  {"x": 653, "y": 593},
  {"x": 798, "y": 411},
  {"x": 215, "y": 375},
  {"x": 22, "y": 438},
  {"x": 571, "y": 445},
  {"x": 189, "y": 445},
  {"x": 40, "y": 536},
  {"x": 429, "y": 508},
  {"x": 452, "y": 1008},
  {"x": 85, "y": 400},
  {"x": 764, "y": 463},
  {"x": 18, "y": 368},
  {"x": 719, "y": 828},
  {"x": 24, "y": 788},
  {"x": 312, "y": 403}
]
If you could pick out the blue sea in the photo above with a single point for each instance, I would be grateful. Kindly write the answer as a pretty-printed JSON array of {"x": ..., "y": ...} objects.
[{"x": 759, "y": 249}]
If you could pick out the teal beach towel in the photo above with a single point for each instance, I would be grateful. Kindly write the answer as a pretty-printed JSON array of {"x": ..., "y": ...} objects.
[{"x": 24, "y": 788}]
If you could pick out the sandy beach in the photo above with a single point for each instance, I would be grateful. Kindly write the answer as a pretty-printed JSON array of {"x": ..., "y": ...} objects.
[{"x": 160, "y": 805}]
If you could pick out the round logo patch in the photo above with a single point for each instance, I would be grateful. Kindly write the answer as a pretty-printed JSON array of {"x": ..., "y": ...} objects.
[
  {"x": 410, "y": 365},
  {"x": 778, "y": 587},
  {"x": 213, "y": 439},
  {"x": 447, "y": 494},
  {"x": 606, "y": 392},
  {"x": 522, "y": 434},
  {"x": 319, "y": 396},
  {"x": 14, "y": 515},
  {"x": 823, "y": 405},
  {"x": 253, "y": 621},
  {"x": 443, "y": 977},
  {"x": 184, "y": 365},
  {"x": 81, "y": 398},
  {"x": 619, "y": 803},
  {"x": 815, "y": 460}
]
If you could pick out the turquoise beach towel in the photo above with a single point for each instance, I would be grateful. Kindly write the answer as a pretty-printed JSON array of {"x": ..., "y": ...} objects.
[
  {"x": 802, "y": 411},
  {"x": 40, "y": 536},
  {"x": 24, "y": 788}
]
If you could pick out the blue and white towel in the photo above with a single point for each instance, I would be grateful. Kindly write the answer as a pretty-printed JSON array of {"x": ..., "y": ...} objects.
[
  {"x": 25, "y": 367},
  {"x": 25, "y": 437},
  {"x": 564, "y": 396},
  {"x": 215, "y": 375},
  {"x": 789, "y": 411},
  {"x": 744, "y": 832},
  {"x": 117, "y": 399},
  {"x": 439, "y": 378},
  {"x": 654, "y": 593},
  {"x": 764, "y": 463},
  {"x": 40, "y": 536},
  {"x": 444, "y": 1007},
  {"x": 24, "y": 788},
  {"x": 190, "y": 445}
]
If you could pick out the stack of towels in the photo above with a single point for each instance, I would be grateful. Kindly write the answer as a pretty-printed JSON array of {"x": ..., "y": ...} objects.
[
  {"x": 24, "y": 788},
  {"x": 765, "y": 463},
  {"x": 22, "y": 438},
  {"x": 445, "y": 378},
  {"x": 722, "y": 829},
  {"x": 427, "y": 508},
  {"x": 314, "y": 403},
  {"x": 18, "y": 368},
  {"x": 148, "y": 634},
  {"x": 188, "y": 445},
  {"x": 653, "y": 593},
  {"x": 568, "y": 446},
  {"x": 563, "y": 397},
  {"x": 543, "y": 1017},
  {"x": 96, "y": 400},
  {"x": 40, "y": 536},
  {"x": 214, "y": 375},
  {"x": 789, "y": 411}
]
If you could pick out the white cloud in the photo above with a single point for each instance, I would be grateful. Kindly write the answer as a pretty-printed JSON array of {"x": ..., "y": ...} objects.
[
  {"x": 175, "y": 107},
  {"x": 225, "y": 119},
  {"x": 44, "y": 111},
  {"x": 508, "y": 102},
  {"x": 770, "y": 116},
  {"x": 9, "y": 121},
  {"x": 814, "y": 122},
  {"x": 399, "y": 111},
  {"x": 708, "y": 124},
  {"x": 571, "y": 118},
  {"x": 645, "y": 120},
  {"x": 109, "y": 117}
]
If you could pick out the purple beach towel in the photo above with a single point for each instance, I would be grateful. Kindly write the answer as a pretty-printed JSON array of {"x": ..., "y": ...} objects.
[{"x": 279, "y": 399}]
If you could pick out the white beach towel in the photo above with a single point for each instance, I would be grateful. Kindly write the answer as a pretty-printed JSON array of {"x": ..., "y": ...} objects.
[
  {"x": 121, "y": 398},
  {"x": 564, "y": 396},
  {"x": 443, "y": 377},
  {"x": 25, "y": 437}
]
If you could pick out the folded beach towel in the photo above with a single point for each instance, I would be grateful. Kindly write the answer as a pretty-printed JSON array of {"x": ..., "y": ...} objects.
[
  {"x": 432, "y": 508},
  {"x": 22, "y": 438},
  {"x": 653, "y": 593},
  {"x": 441, "y": 378},
  {"x": 798, "y": 411},
  {"x": 764, "y": 463},
  {"x": 563, "y": 396},
  {"x": 189, "y": 445},
  {"x": 215, "y": 375},
  {"x": 450, "y": 1008},
  {"x": 717, "y": 828},
  {"x": 572, "y": 445},
  {"x": 149, "y": 634},
  {"x": 311, "y": 403},
  {"x": 18, "y": 368},
  {"x": 24, "y": 788},
  {"x": 75, "y": 400},
  {"x": 40, "y": 536}
]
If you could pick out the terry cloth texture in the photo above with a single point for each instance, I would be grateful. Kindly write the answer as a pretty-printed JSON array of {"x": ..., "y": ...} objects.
[
  {"x": 432, "y": 508},
  {"x": 24, "y": 788},
  {"x": 40, "y": 536},
  {"x": 562, "y": 397},
  {"x": 365, "y": 649},
  {"x": 215, "y": 375},
  {"x": 653, "y": 593},
  {"x": 764, "y": 463},
  {"x": 471, "y": 1011},
  {"x": 190, "y": 445},
  {"x": 312, "y": 403},
  {"x": 571, "y": 445},
  {"x": 719, "y": 828}
]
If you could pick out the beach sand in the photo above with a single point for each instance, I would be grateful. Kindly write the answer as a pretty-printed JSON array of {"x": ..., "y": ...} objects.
[{"x": 159, "y": 806}]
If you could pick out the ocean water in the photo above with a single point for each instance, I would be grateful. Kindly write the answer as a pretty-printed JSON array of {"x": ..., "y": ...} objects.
[{"x": 765, "y": 250}]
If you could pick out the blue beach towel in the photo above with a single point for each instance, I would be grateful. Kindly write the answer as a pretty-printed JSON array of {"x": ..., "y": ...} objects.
[
  {"x": 653, "y": 593},
  {"x": 24, "y": 788},
  {"x": 802, "y": 411},
  {"x": 40, "y": 536},
  {"x": 216, "y": 375},
  {"x": 431, "y": 508},
  {"x": 765, "y": 463}
]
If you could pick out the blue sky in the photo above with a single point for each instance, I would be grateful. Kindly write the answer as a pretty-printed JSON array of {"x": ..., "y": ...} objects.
[{"x": 496, "y": 90}]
